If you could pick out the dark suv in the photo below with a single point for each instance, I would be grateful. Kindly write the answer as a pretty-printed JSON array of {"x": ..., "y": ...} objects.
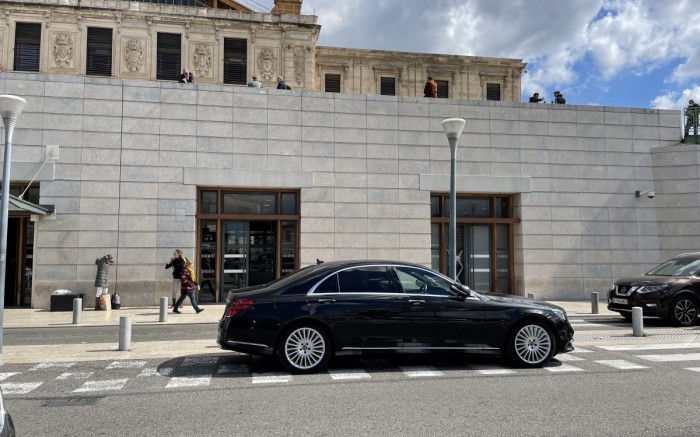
[{"x": 670, "y": 290}]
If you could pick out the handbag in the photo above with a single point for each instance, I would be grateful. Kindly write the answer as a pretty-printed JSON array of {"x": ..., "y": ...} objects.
[{"x": 105, "y": 302}]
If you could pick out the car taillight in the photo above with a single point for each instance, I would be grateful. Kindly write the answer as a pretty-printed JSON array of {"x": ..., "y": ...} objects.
[{"x": 238, "y": 306}]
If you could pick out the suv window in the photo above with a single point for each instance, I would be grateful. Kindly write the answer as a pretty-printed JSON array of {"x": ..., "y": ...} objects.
[{"x": 677, "y": 267}]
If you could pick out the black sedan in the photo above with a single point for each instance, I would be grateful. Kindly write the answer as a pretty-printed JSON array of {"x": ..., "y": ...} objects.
[{"x": 330, "y": 308}]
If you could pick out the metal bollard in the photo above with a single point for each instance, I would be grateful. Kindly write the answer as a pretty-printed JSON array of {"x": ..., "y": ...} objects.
[
  {"x": 637, "y": 322},
  {"x": 163, "y": 309},
  {"x": 594, "y": 303},
  {"x": 125, "y": 333},
  {"x": 77, "y": 310}
]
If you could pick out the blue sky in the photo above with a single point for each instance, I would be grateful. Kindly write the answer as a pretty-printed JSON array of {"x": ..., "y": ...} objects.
[{"x": 633, "y": 53}]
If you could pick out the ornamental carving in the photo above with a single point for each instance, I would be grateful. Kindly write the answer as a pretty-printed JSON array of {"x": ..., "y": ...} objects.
[
  {"x": 299, "y": 64},
  {"x": 266, "y": 64},
  {"x": 202, "y": 60},
  {"x": 63, "y": 50},
  {"x": 133, "y": 55}
]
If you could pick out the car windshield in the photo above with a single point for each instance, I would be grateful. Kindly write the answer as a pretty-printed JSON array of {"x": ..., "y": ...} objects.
[{"x": 677, "y": 267}]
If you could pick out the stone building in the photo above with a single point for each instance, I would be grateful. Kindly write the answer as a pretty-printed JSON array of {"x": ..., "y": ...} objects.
[{"x": 254, "y": 183}]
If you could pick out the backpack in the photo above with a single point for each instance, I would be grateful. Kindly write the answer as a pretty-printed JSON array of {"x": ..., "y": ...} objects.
[
  {"x": 288, "y": 87},
  {"x": 116, "y": 301}
]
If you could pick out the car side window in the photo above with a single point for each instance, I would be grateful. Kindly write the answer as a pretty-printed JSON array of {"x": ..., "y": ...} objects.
[
  {"x": 366, "y": 279},
  {"x": 417, "y": 281},
  {"x": 329, "y": 285}
]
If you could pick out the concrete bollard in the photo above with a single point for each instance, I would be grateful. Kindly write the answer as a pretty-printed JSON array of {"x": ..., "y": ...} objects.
[
  {"x": 594, "y": 303},
  {"x": 637, "y": 322},
  {"x": 125, "y": 333},
  {"x": 163, "y": 310},
  {"x": 77, "y": 310}
]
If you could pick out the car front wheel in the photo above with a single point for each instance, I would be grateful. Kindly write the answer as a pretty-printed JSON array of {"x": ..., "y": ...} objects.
[
  {"x": 304, "y": 349},
  {"x": 531, "y": 344},
  {"x": 684, "y": 311}
]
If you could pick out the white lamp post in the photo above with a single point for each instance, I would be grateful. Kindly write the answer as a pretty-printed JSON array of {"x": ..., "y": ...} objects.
[
  {"x": 453, "y": 128},
  {"x": 10, "y": 109}
]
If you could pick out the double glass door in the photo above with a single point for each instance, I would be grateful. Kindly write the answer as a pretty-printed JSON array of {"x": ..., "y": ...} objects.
[
  {"x": 248, "y": 254},
  {"x": 474, "y": 256}
]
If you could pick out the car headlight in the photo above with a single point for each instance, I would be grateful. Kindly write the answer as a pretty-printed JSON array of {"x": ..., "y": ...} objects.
[
  {"x": 560, "y": 314},
  {"x": 612, "y": 287},
  {"x": 651, "y": 288}
]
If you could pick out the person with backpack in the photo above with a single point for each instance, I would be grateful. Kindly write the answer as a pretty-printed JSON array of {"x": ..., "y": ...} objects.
[
  {"x": 177, "y": 262},
  {"x": 281, "y": 84},
  {"x": 188, "y": 286}
]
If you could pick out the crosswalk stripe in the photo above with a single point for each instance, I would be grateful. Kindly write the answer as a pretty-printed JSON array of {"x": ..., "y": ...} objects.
[
  {"x": 650, "y": 347},
  {"x": 60, "y": 365},
  {"x": 199, "y": 361},
  {"x": 226, "y": 369},
  {"x": 74, "y": 375},
  {"x": 5, "y": 375},
  {"x": 694, "y": 369},
  {"x": 486, "y": 369},
  {"x": 348, "y": 374},
  {"x": 271, "y": 378},
  {"x": 19, "y": 388},
  {"x": 108, "y": 385},
  {"x": 189, "y": 381},
  {"x": 621, "y": 364},
  {"x": 563, "y": 368},
  {"x": 579, "y": 350},
  {"x": 421, "y": 371},
  {"x": 567, "y": 357},
  {"x": 130, "y": 364},
  {"x": 670, "y": 357}
]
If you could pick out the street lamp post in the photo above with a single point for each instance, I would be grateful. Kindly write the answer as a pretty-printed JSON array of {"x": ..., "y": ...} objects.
[
  {"x": 453, "y": 128},
  {"x": 10, "y": 109}
]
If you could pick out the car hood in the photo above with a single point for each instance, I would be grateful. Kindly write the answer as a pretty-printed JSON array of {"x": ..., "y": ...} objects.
[
  {"x": 646, "y": 280},
  {"x": 507, "y": 299}
]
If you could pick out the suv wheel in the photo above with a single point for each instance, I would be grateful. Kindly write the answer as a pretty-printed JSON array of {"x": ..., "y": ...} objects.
[{"x": 684, "y": 311}]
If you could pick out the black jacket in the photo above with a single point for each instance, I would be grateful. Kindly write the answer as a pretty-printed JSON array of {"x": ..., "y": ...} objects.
[
  {"x": 178, "y": 264},
  {"x": 283, "y": 86}
]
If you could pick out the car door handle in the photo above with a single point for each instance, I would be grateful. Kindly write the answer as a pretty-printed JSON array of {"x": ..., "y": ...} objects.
[
  {"x": 416, "y": 301},
  {"x": 326, "y": 300}
]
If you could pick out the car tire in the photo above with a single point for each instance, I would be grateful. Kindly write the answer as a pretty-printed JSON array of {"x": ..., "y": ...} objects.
[
  {"x": 626, "y": 316},
  {"x": 304, "y": 348},
  {"x": 531, "y": 344},
  {"x": 684, "y": 311}
]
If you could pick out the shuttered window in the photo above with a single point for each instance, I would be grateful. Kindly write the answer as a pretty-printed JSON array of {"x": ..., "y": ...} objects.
[
  {"x": 168, "y": 56},
  {"x": 387, "y": 86},
  {"x": 27, "y": 46},
  {"x": 98, "y": 61},
  {"x": 443, "y": 89},
  {"x": 235, "y": 60},
  {"x": 332, "y": 83},
  {"x": 493, "y": 91}
]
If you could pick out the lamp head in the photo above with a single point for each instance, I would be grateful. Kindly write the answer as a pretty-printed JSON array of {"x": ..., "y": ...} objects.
[
  {"x": 453, "y": 127},
  {"x": 11, "y": 106}
]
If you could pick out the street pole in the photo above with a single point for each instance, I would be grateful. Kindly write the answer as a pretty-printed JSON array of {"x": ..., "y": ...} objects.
[
  {"x": 10, "y": 109},
  {"x": 453, "y": 128}
]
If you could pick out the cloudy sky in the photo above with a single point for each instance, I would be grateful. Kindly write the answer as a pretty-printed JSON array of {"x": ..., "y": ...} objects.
[{"x": 635, "y": 53}]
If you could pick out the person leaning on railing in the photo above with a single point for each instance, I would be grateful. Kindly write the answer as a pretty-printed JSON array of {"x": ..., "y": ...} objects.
[{"x": 691, "y": 116}]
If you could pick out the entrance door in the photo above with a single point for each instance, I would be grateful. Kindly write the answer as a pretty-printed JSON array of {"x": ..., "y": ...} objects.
[
  {"x": 248, "y": 254},
  {"x": 474, "y": 256}
]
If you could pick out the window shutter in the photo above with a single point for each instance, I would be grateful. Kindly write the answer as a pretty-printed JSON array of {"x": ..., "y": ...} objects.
[
  {"x": 493, "y": 91},
  {"x": 332, "y": 83},
  {"x": 443, "y": 89},
  {"x": 27, "y": 46},
  {"x": 235, "y": 60},
  {"x": 387, "y": 86},
  {"x": 168, "y": 56},
  {"x": 99, "y": 52}
]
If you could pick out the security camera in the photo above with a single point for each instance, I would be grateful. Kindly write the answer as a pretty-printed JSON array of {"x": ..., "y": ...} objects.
[{"x": 649, "y": 193}]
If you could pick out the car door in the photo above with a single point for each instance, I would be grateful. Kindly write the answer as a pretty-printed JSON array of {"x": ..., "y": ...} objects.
[
  {"x": 438, "y": 317},
  {"x": 363, "y": 307}
]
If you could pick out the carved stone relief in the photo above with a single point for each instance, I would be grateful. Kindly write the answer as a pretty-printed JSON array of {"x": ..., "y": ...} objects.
[
  {"x": 134, "y": 52},
  {"x": 267, "y": 64},
  {"x": 63, "y": 50},
  {"x": 299, "y": 65},
  {"x": 202, "y": 60}
]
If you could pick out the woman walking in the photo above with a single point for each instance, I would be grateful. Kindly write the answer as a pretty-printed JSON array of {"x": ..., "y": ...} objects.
[
  {"x": 188, "y": 286},
  {"x": 177, "y": 262}
]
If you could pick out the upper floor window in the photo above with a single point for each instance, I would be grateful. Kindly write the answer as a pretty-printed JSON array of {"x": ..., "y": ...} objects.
[
  {"x": 443, "y": 89},
  {"x": 332, "y": 83},
  {"x": 235, "y": 61},
  {"x": 387, "y": 86},
  {"x": 493, "y": 91},
  {"x": 27, "y": 46},
  {"x": 98, "y": 60},
  {"x": 168, "y": 56}
]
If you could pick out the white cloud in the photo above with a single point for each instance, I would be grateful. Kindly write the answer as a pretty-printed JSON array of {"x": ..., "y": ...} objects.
[{"x": 676, "y": 100}]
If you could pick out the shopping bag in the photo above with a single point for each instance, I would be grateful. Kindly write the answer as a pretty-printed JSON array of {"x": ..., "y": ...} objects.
[{"x": 105, "y": 302}]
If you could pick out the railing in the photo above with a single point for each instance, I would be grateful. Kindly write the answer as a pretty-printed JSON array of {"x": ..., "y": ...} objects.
[{"x": 692, "y": 118}]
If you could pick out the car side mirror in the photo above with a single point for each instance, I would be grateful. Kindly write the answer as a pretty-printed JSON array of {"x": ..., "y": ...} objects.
[{"x": 461, "y": 289}]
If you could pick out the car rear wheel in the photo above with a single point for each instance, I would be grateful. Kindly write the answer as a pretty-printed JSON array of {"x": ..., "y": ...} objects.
[
  {"x": 531, "y": 344},
  {"x": 304, "y": 349},
  {"x": 684, "y": 311}
]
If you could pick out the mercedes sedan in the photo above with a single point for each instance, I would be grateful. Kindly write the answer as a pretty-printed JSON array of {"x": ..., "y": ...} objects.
[{"x": 333, "y": 308}]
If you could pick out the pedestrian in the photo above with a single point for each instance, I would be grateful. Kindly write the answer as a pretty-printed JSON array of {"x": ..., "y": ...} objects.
[
  {"x": 559, "y": 98},
  {"x": 536, "y": 98},
  {"x": 431, "y": 88},
  {"x": 186, "y": 76},
  {"x": 281, "y": 84},
  {"x": 690, "y": 115},
  {"x": 255, "y": 83},
  {"x": 102, "y": 278},
  {"x": 177, "y": 262},
  {"x": 188, "y": 287}
]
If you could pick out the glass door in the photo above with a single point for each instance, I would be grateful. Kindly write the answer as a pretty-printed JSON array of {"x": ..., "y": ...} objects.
[
  {"x": 235, "y": 252},
  {"x": 207, "y": 261},
  {"x": 474, "y": 256},
  {"x": 261, "y": 252}
]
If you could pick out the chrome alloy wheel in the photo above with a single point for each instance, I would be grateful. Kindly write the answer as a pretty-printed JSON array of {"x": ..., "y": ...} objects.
[
  {"x": 305, "y": 348},
  {"x": 533, "y": 344},
  {"x": 685, "y": 311}
]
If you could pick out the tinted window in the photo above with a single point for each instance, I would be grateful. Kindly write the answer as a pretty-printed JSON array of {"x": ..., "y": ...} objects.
[
  {"x": 373, "y": 279},
  {"x": 677, "y": 267},
  {"x": 418, "y": 281},
  {"x": 330, "y": 285}
]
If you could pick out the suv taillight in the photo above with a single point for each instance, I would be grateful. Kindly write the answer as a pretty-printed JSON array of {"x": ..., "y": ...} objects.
[{"x": 237, "y": 306}]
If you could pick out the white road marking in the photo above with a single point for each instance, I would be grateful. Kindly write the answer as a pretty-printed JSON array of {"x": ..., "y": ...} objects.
[
  {"x": 42, "y": 366},
  {"x": 226, "y": 369},
  {"x": 579, "y": 350},
  {"x": 131, "y": 364},
  {"x": 564, "y": 368},
  {"x": 75, "y": 375},
  {"x": 621, "y": 364},
  {"x": 650, "y": 347},
  {"x": 694, "y": 369},
  {"x": 421, "y": 371},
  {"x": 19, "y": 388},
  {"x": 108, "y": 385},
  {"x": 670, "y": 357},
  {"x": 271, "y": 378},
  {"x": 348, "y": 374},
  {"x": 4, "y": 376},
  {"x": 189, "y": 381},
  {"x": 486, "y": 369},
  {"x": 199, "y": 361},
  {"x": 154, "y": 371},
  {"x": 567, "y": 357}
]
